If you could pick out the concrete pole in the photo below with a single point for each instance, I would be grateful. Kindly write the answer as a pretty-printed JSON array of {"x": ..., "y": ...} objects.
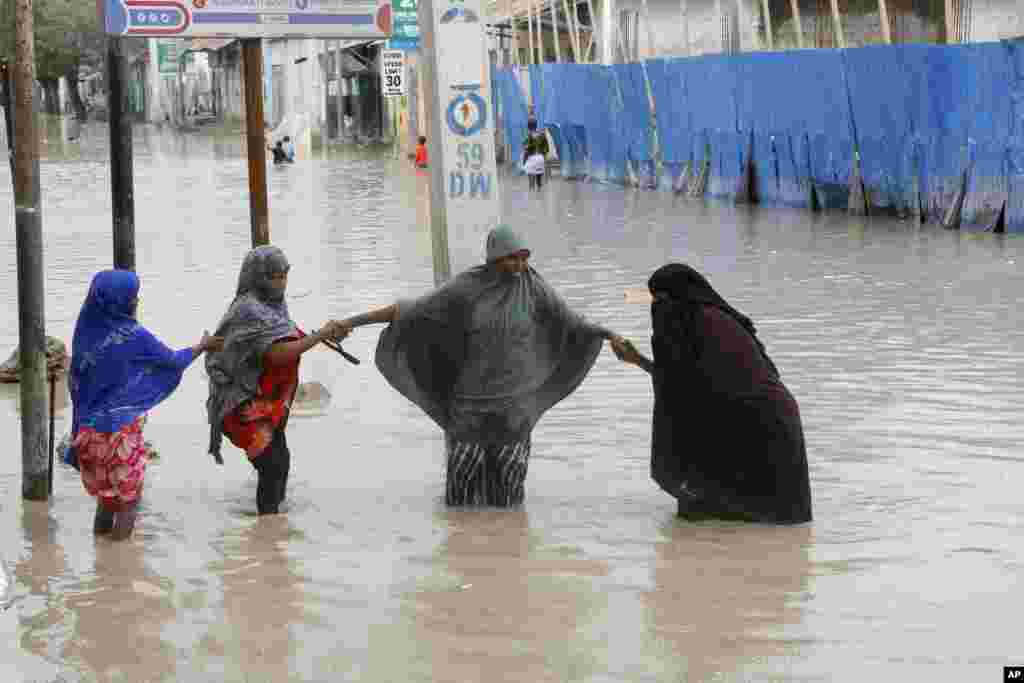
[
  {"x": 256, "y": 141},
  {"x": 607, "y": 31},
  {"x": 883, "y": 14},
  {"x": 339, "y": 94},
  {"x": 435, "y": 141},
  {"x": 768, "y": 24},
  {"x": 685, "y": 21},
  {"x": 121, "y": 159},
  {"x": 529, "y": 26},
  {"x": 950, "y": 23},
  {"x": 29, "y": 244},
  {"x": 837, "y": 23}
]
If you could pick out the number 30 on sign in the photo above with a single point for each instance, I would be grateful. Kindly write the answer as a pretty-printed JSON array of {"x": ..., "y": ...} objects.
[{"x": 392, "y": 76}]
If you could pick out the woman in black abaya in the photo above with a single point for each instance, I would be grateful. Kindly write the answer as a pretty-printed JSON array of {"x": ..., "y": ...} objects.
[{"x": 727, "y": 437}]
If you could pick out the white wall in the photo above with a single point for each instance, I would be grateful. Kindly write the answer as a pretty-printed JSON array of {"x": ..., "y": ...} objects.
[{"x": 996, "y": 20}]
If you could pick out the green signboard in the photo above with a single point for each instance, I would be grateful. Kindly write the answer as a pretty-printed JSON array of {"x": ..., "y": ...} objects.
[
  {"x": 167, "y": 57},
  {"x": 405, "y": 25}
]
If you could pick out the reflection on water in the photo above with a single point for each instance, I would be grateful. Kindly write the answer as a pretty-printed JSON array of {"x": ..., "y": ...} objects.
[
  {"x": 499, "y": 607},
  {"x": 903, "y": 344},
  {"x": 262, "y": 598},
  {"x": 121, "y": 610},
  {"x": 723, "y": 595}
]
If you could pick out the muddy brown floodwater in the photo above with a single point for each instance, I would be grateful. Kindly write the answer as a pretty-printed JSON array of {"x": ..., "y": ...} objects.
[{"x": 904, "y": 346}]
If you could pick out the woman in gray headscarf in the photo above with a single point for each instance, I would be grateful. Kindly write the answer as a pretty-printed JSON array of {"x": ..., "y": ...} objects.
[
  {"x": 485, "y": 355},
  {"x": 253, "y": 380}
]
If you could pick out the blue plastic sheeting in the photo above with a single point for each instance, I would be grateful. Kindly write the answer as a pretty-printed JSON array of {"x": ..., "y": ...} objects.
[
  {"x": 921, "y": 119},
  {"x": 635, "y": 115},
  {"x": 513, "y": 108}
]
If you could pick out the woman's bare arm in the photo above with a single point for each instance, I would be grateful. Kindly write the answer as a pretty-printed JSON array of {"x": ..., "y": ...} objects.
[{"x": 379, "y": 316}]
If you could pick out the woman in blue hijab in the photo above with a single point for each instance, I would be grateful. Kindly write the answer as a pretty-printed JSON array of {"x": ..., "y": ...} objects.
[{"x": 119, "y": 370}]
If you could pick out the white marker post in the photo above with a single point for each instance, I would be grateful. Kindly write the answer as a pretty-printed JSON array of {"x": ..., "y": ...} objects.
[{"x": 465, "y": 201}]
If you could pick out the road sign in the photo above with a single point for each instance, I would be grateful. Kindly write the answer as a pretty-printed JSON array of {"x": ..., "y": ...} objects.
[
  {"x": 392, "y": 73},
  {"x": 405, "y": 23},
  {"x": 464, "y": 194},
  {"x": 167, "y": 57},
  {"x": 364, "y": 19}
]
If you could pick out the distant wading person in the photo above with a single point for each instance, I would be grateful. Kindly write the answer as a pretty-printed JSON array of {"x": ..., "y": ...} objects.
[
  {"x": 727, "y": 436},
  {"x": 119, "y": 371},
  {"x": 485, "y": 355},
  {"x": 254, "y": 378}
]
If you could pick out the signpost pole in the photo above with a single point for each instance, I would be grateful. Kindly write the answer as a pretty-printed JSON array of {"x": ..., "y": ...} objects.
[
  {"x": 435, "y": 144},
  {"x": 465, "y": 199},
  {"x": 29, "y": 244},
  {"x": 121, "y": 162},
  {"x": 259, "y": 214}
]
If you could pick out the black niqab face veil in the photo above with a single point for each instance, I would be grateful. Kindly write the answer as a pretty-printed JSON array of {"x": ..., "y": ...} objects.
[{"x": 678, "y": 292}]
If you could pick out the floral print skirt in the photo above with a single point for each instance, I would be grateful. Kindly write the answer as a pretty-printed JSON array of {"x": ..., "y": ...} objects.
[{"x": 113, "y": 465}]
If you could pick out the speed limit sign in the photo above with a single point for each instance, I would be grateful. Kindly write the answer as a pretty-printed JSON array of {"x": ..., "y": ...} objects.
[{"x": 392, "y": 66}]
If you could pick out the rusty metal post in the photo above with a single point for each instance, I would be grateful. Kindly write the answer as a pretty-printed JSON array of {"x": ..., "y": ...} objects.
[{"x": 256, "y": 141}]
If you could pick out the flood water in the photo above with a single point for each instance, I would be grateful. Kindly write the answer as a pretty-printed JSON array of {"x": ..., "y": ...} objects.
[{"x": 904, "y": 346}]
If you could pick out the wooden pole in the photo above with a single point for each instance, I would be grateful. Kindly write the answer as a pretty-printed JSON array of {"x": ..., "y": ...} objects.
[
  {"x": 573, "y": 38},
  {"x": 575, "y": 28},
  {"x": 259, "y": 213},
  {"x": 883, "y": 14},
  {"x": 593, "y": 32},
  {"x": 121, "y": 159},
  {"x": 768, "y": 24},
  {"x": 556, "y": 30},
  {"x": 540, "y": 32},
  {"x": 837, "y": 24},
  {"x": 795, "y": 4},
  {"x": 29, "y": 245},
  {"x": 52, "y": 433}
]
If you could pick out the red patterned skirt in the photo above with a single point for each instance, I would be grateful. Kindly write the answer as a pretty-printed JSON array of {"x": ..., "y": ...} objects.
[{"x": 113, "y": 466}]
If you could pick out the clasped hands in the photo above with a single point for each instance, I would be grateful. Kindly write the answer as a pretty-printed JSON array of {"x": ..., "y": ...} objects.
[
  {"x": 625, "y": 351},
  {"x": 335, "y": 330}
]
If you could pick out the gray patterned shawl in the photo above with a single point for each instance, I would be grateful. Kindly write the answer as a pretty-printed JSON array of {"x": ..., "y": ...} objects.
[{"x": 257, "y": 318}]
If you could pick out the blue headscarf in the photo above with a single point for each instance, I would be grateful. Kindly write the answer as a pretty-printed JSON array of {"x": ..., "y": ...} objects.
[{"x": 119, "y": 370}]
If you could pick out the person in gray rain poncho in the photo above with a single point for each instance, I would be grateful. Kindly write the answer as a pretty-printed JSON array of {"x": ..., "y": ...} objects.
[
  {"x": 485, "y": 355},
  {"x": 254, "y": 378}
]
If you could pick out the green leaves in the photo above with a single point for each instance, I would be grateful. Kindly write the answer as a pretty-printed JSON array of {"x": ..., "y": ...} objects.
[{"x": 67, "y": 32}]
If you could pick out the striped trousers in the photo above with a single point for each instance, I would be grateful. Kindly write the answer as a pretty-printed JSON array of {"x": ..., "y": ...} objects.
[{"x": 486, "y": 474}]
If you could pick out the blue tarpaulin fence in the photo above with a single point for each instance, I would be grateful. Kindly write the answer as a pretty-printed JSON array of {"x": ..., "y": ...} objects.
[{"x": 924, "y": 121}]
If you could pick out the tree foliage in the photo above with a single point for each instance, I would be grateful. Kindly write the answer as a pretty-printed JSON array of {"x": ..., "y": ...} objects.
[{"x": 67, "y": 34}]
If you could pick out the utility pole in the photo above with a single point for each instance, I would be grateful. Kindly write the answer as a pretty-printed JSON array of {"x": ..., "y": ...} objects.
[
  {"x": 121, "y": 161},
  {"x": 31, "y": 296},
  {"x": 256, "y": 141}
]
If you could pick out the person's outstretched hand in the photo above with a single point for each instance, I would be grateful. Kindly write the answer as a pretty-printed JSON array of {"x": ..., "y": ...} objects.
[
  {"x": 209, "y": 343},
  {"x": 337, "y": 330},
  {"x": 625, "y": 351}
]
